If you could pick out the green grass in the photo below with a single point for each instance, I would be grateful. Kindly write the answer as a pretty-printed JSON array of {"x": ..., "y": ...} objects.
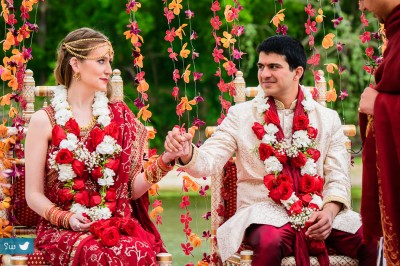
[{"x": 172, "y": 229}]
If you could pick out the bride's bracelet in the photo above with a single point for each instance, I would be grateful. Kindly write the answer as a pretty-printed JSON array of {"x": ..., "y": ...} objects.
[
  {"x": 56, "y": 216},
  {"x": 157, "y": 170}
]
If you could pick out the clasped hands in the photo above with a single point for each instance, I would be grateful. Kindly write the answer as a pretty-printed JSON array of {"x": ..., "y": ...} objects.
[{"x": 178, "y": 144}]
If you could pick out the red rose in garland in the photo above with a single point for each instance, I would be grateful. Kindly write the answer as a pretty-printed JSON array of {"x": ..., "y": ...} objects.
[
  {"x": 312, "y": 132},
  {"x": 300, "y": 160},
  {"x": 79, "y": 168},
  {"x": 57, "y": 135},
  {"x": 265, "y": 151},
  {"x": 112, "y": 130},
  {"x": 72, "y": 127},
  {"x": 82, "y": 197},
  {"x": 308, "y": 184},
  {"x": 272, "y": 117},
  {"x": 259, "y": 130},
  {"x": 300, "y": 122},
  {"x": 97, "y": 136},
  {"x": 64, "y": 156},
  {"x": 65, "y": 195}
]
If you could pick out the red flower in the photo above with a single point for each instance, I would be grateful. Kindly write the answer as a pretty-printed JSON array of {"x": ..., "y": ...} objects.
[
  {"x": 129, "y": 227},
  {"x": 312, "y": 132},
  {"x": 110, "y": 236},
  {"x": 265, "y": 151},
  {"x": 270, "y": 181},
  {"x": 112, "y": 164},
  {"x": 97, "y": 136},
  {"x": 82, "y": 197},
  {"x": 300, "y": 160},
  {"x": 316, "y": 247},
  {"x": 111, "y": 205},
  {"x": 64, "y": 156},
  {"x": 300, "y": 122},
  {"x": 110, "y": 195},
  {"x": 285, "y": 178},
  {"x": 272, "y": 117},
  {"x": 65, "y": 195},
  {"x": 97, "y": 173},
  {"x": 286, "y": 190},
  {"x": 72, "y": 127},
  {"x": 275, "y": 195},
  {"x": 296, "y": 207},
  {"x": 95, "y": 199},
  {"x": 112, "y": 130},
  {"x": 320, "y": 185},
  {"x": 57, "y": 135},
  {"x": 258, "y": 130},
  {"x": 79, "y": 184},
  {"x": 314, "y": 153},
  {"x": 78, "y": 167},
  {"x": 281, "y": 156},
  {"x": 306, "y": 198},
  {"x": 309, "y": 184}
]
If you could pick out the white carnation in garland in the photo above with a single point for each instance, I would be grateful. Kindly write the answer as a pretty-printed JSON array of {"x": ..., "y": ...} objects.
[
  {"x": 308, "y": 102},
  {"x": 104, "y": 120},
  {"x": 301, "y": 139},
  {"x": 78, "y": 208},
  {"x": 108, "y": 146},
  {"x": 317, "y": 200},
  {"x": 62, "y": 116},
  {"x": 98, "y": 213},
  {"x": 70, "y": 143},
  {"x": 272, "y": 165},
  {"x": 271, "y": 129},
  {"x": 106, "y": 181},
  {"x": 65, "y": 172},
  {"x": 310, "y": 168},
  {"x": 100, "y": 109},
  {"x": 289, "y": 202},
  {"x": 269, "y": 139}
]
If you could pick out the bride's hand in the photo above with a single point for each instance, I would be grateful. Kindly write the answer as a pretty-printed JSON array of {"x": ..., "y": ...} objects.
[{"x": 79, "y": 223}]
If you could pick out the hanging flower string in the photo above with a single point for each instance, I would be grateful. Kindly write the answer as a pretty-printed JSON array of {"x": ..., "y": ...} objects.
[
  {"x": 279, "y": 18},
  {"x": 137, "y": 41},
  {"x": 12, "y": 71}
]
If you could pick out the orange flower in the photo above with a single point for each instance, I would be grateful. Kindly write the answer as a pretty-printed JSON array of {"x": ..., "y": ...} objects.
[
  {"x": 144, "y": 113},
  {"x": 5, "y": 203},
  {"x": 154, "y": 212},
  {"x": 186, "y": 104},
  {"x": 143, "y": 86},
  {"x": 190, "y": 184},
  {"x": 192, "y": 130},
  {"x": 179, "y": 31},
  {"x": 331, "y": 68},
  {"x": 5, "y": 99},
  {"x": 153, "y": 189},
  {"x": 9, "y": 41},
  {"x": 320, "y": 17},
  {"x": 331, "y": 95},
  {"x": 184, "y": 52},
  {"x": 176, "y": 6},
  {"x": 327, "y": 42},
  {"x": 228, "y": 39},
  {"x": 13, "y": 112},
  {"x": 5, "y": 228},
  {"x": 186, "y": 74},
  {"x": 280, "y": 16},
  {"x": 151, "y": 134},
  {"x": 202, "y": 263},
  {"x": 228, "y": 13},
  {"x": 195, "y": 240}
]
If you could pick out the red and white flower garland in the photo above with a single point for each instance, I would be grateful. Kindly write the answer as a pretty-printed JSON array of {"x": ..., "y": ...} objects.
[
  {"x": 300, "y": 149},
  {"x": 75, "y": 162}
]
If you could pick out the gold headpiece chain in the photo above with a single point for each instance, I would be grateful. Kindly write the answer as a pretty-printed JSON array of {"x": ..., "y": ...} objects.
[{"x": 72, "y": 49}]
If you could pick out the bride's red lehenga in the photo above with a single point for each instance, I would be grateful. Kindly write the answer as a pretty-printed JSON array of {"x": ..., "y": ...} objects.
[{"x": 66, "y": 247}]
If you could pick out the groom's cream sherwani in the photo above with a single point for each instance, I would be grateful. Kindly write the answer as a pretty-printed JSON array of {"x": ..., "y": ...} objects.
[{"x": 235, "y": 135}]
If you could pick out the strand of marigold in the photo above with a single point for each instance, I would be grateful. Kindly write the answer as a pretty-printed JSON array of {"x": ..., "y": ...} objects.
[
  {"x": 12, "y": 73},
  {"x": 137, "y": 41}
]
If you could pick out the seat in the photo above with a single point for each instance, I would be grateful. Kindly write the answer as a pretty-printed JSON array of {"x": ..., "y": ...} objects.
[
  {"x": 26, "y": 219},
  {"x": 224, "y": 189}
]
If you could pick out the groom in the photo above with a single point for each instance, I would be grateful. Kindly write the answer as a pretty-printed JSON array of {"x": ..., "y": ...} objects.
[{"x": 293, "y": 188}]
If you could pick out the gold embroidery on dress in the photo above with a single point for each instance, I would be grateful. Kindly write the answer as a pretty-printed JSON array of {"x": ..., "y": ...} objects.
[{"x": 391, "y": 240}]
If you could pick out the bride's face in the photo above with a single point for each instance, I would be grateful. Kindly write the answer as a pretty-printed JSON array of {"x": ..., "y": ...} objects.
[{"x": 96, "y": 73}]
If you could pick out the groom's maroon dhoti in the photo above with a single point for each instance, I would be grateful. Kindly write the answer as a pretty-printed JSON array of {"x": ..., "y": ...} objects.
[{"x": 270, "y": 244}]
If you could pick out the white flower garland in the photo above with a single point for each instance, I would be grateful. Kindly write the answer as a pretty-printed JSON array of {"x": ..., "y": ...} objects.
[
  {"x": 290, "y": 146},
  {"x": 106, "y": 149}
]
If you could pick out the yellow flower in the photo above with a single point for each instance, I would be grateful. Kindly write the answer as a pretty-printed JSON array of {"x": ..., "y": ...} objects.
[
  {"x": 278, "y": 18},
  {"x": 327, "y": 42},
  {"x": 228, "y": 39},
  {"x": 144, "y": 113},
  {"x": 184, "y": 52},
  {"x": 176, "y": 6},
  {"x": 195, "y": 240}
]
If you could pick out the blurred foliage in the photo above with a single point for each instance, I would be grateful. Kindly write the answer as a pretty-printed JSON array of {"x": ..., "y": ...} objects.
[{"x": 57, "y": 18}]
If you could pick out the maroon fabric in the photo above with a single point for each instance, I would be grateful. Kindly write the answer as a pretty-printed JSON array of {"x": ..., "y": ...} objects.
[
  {"x": 382, "y": 187},
  {"x": 270, "y": 244},
  {"x": 61, "y": 247},
  {"x": 301, "y": 250}
]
